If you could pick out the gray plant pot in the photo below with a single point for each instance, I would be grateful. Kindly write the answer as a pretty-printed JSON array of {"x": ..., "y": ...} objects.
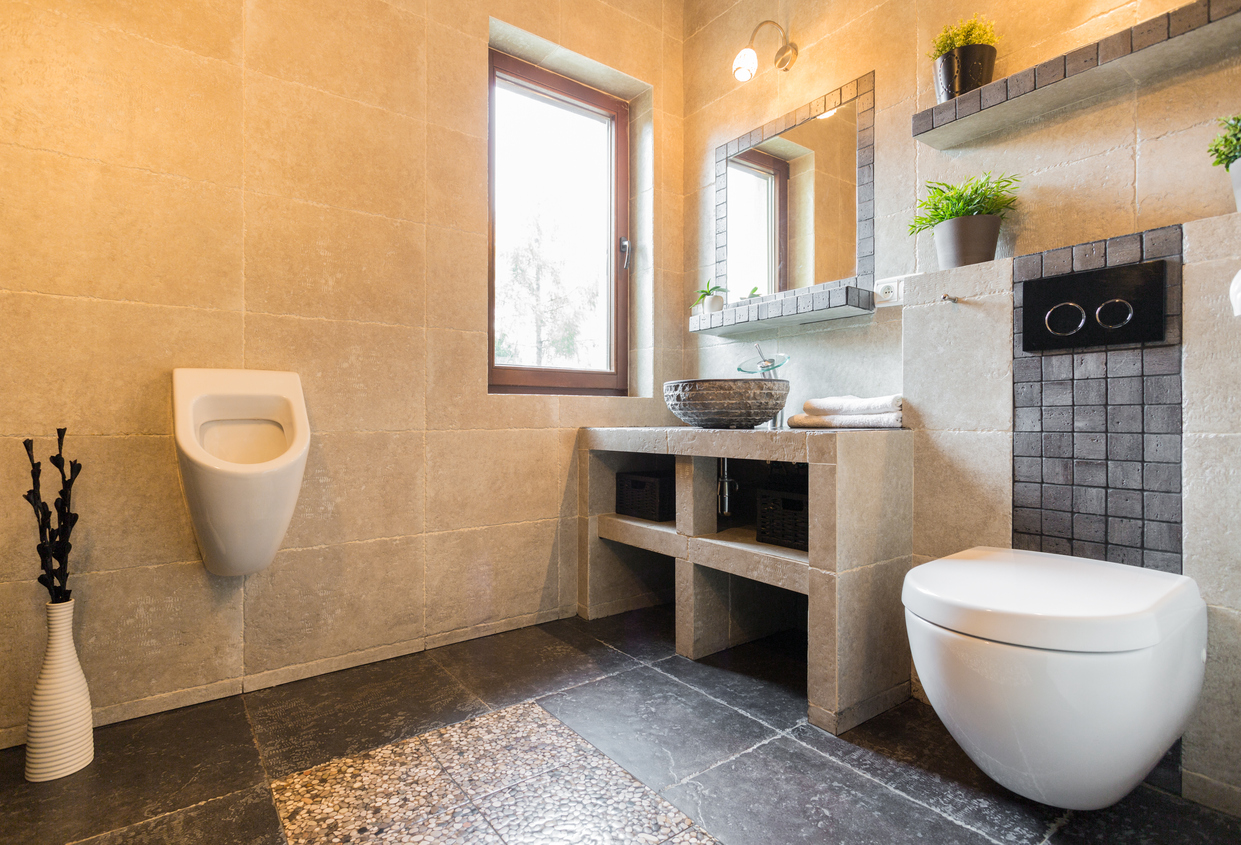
[
  {"x": 1235, "y": 173},
  {"x": 967, "y": 240}
]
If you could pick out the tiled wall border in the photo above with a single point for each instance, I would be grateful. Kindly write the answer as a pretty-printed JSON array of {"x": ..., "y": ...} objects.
[
  {"x": 862, "y": 90},
  {"x": 842, "y": 293},
  {"x": 1097, "y": 431},
  {"x": 1165, "y": 27}
]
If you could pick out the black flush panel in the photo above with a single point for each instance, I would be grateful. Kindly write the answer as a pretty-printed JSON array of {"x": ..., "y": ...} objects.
[{"x": 1107, "y": 306}]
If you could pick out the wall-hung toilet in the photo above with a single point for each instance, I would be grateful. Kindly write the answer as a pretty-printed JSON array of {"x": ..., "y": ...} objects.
[
  {"x": 1064, "y": 679},
  {"x": 242, "y": 438}
]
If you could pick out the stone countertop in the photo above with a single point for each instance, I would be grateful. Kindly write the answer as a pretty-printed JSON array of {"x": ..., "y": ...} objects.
[{"x": 816, "y": 446}]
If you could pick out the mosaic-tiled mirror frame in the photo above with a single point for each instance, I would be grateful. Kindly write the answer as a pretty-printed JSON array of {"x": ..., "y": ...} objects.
[{"x": 862, "y": 90}]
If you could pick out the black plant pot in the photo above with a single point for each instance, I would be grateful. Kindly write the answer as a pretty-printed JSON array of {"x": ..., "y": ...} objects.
[{"x": 963, "y": 69}]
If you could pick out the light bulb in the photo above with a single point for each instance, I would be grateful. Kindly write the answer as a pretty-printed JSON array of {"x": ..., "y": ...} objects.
[{"x": 745, "y": 65}]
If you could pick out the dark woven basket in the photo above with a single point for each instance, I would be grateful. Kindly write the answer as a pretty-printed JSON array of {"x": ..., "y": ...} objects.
[
  {"x": 647, "y": 495},
  {"x": 784, "y": 519}
]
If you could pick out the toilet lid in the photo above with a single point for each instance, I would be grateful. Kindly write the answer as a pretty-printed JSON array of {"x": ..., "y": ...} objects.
[{"x": 1050, "y": 601}]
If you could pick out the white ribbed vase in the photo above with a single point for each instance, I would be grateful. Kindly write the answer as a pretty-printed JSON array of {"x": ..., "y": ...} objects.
[{"x": 60, "y": 737}]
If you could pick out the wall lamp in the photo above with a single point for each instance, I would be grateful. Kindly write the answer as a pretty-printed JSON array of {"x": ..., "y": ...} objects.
[{"x": 746, "y": 63}]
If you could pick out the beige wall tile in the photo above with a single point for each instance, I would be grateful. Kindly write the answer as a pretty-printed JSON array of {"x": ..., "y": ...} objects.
[
  {"x": 1212, "y": 239},
  {"x": 536, "y": 17},
  {"x": 457, "y": 388},
  {"x": 1213, "y": 793},
  {"x": 874, "y": 486},
  {"x": 1212, "y": 500},
  {"x": 356, "y": 376},
  {"x": 368, "y": 51},
  {"x": 112, "y": 361},
  {"x": 874, "y": 647},
  {"x": 329, "y": 601},
  {"x": 1211, "y": 350},
  {"x": 129, "y": 488},
  {"x": 81, "y": 228},
  {"x": 116, "y": 98},
  {"x": 621, "y": 577},
  {"x": 153, "y": 630},
  {"x": 359, "y": 486},
  {"x": 311, "y": 260},
  {"x": 208, "y": 27},
  {"x": 521, "y": 472},
  {"x": 1192, "y": 190},
  {"x": 457, "y": 292},
  {"x": 457, "y": 192},
  {"x": 963, "y": 482},
  {"x": 24, "y": 620},
  {"x": 456, "y": 81},
  {"x": 607, "y": 35},
  {"x": 488, "y": 574},
  {"x": 1213, "y": 740},
  {"x": 309, "y": 145},
  {"x": 948, "y": 387}
]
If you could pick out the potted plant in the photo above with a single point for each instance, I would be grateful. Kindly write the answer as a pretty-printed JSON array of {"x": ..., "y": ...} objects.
[
  {"x": 966, "y": 217},
  {"x": 754, "y": 294},
  {"x": 1227, "y": 150},
  {"x": 59, "y": 733},
  {"x": 709, "y": 300},
  {"x": 964, "y": 56}
]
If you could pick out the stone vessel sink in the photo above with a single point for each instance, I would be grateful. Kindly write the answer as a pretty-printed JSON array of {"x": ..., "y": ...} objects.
[{"x": 726, "y": 402}]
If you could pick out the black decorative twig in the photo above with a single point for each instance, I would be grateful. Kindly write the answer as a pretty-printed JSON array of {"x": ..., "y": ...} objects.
[{"x": 54, "y": 545}]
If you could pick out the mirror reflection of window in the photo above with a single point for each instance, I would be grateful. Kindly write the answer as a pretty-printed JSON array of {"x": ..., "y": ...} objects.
[{"x": 757, "y": 189}]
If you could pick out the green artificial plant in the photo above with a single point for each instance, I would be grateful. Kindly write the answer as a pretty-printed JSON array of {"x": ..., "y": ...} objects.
[
  {"x": 975, "y": 30},
  {"x": 976, "y": 195},
  {"x": 1227, "y": 145},
  {"x": 710, "y": 290}
]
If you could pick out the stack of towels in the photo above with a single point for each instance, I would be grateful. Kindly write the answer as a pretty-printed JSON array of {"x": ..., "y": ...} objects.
[{"x": 850, "y": 412}]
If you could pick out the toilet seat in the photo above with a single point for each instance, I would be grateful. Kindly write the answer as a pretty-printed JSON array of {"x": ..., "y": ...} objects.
[{"x": 1050, "y": 601}]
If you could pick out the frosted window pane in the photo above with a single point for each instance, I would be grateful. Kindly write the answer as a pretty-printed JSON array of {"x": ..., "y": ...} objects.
[{"x": 751, "y": 231}]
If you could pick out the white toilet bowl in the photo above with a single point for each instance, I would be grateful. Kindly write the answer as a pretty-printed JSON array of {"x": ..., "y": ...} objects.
[
  {"x": 1064, "y": 679},
  {"x": 242, "y": 438}
]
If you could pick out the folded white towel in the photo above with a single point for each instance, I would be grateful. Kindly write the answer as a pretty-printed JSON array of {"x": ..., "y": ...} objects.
[
  {"x": 853, "y": 405},
  {"x": 892, "y": 419}
]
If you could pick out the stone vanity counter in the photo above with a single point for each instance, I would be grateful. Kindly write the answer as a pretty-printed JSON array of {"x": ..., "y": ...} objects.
[{"x": 729, "y": 588}]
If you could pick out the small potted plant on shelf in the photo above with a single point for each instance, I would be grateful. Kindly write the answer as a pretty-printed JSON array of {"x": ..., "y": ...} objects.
[
  {"x": 754, "y": 294},
  {"x": 709, "y": 300},
  {"x": 966, "y": 217},
  {"x": 1227, "y": 151},
  {"x": 964, "y": 56}
]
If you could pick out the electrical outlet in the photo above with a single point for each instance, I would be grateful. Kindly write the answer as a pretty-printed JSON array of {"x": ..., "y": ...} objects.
[
  {"x": 890, "y": 292},
  {"x": 886, "y": 292}
]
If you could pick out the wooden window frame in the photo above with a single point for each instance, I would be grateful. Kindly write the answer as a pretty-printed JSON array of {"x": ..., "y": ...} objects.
[
  {"x": 503, "y": 379},
  {"x": 779, "y": 168}
]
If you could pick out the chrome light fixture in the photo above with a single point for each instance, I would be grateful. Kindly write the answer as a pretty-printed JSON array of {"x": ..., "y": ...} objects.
[{"x": 746, "y": 63}]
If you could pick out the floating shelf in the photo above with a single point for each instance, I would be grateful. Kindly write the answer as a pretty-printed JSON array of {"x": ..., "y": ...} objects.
[
  {"x": 1157, "y": 49},
  {"x": 829, "y": 301}
]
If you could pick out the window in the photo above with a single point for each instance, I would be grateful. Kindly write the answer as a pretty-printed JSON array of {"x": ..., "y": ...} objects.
[
  {"x": 559, "y": 226},
  {"x": 758, "y": 222}
]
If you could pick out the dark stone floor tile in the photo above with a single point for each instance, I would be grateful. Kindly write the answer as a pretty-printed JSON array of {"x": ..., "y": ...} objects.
[
  {"x": 309, "y": 722},
  {"x": 647, "y": 635},
  {"x": 785, "y": 792},
  {"x": 142, "y": 769},
  {"x": 1149, "y": 817},
  {"x": 242, "y": 818},
  {"x": 516, "y": 666},
  {"x": 909, "y": 749},
  {"x": 660, "y": 730},
  {"x": 765, "y": 679}
]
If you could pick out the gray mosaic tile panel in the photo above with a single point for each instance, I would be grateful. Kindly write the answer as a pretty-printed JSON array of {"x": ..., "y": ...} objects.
[{"x": 1097, "y": 432}]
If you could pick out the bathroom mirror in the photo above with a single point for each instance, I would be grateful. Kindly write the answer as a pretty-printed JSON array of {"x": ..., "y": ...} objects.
[{"x": 794, "y": 198}]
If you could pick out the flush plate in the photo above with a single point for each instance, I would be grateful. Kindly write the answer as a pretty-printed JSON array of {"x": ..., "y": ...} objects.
[{"x": 1111, "y": 305}]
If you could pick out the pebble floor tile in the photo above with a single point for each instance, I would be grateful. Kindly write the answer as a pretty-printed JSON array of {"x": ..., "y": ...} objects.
[
  {"x": 517, "y": 776},
  {"x": 502, "y": 748}
]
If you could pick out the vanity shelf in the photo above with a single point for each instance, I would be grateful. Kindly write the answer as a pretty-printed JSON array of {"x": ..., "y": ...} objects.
[
  {"x": 828, "y": 301},
  {"x": 1190, "y": 36},
  {"x": 659, "y": 537},
  {"x": 737, "y": 551}
]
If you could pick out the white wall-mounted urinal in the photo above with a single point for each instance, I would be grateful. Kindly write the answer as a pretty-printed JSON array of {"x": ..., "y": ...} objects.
[{"x": 242, "y": 438}]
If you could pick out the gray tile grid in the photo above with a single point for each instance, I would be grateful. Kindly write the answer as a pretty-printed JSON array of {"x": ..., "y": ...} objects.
[
  {"x": 1097, "y": 432},
  {"x": 1156, "y": 30}
]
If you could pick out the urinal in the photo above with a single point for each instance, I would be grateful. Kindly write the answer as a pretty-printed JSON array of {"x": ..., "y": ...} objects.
[{"x": 242, "y": 438}]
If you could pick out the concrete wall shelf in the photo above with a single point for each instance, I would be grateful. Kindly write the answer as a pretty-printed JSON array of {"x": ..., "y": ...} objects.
[
  {"x": 828, "y": 301},
  {"x": 1184, "y": 38}
]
